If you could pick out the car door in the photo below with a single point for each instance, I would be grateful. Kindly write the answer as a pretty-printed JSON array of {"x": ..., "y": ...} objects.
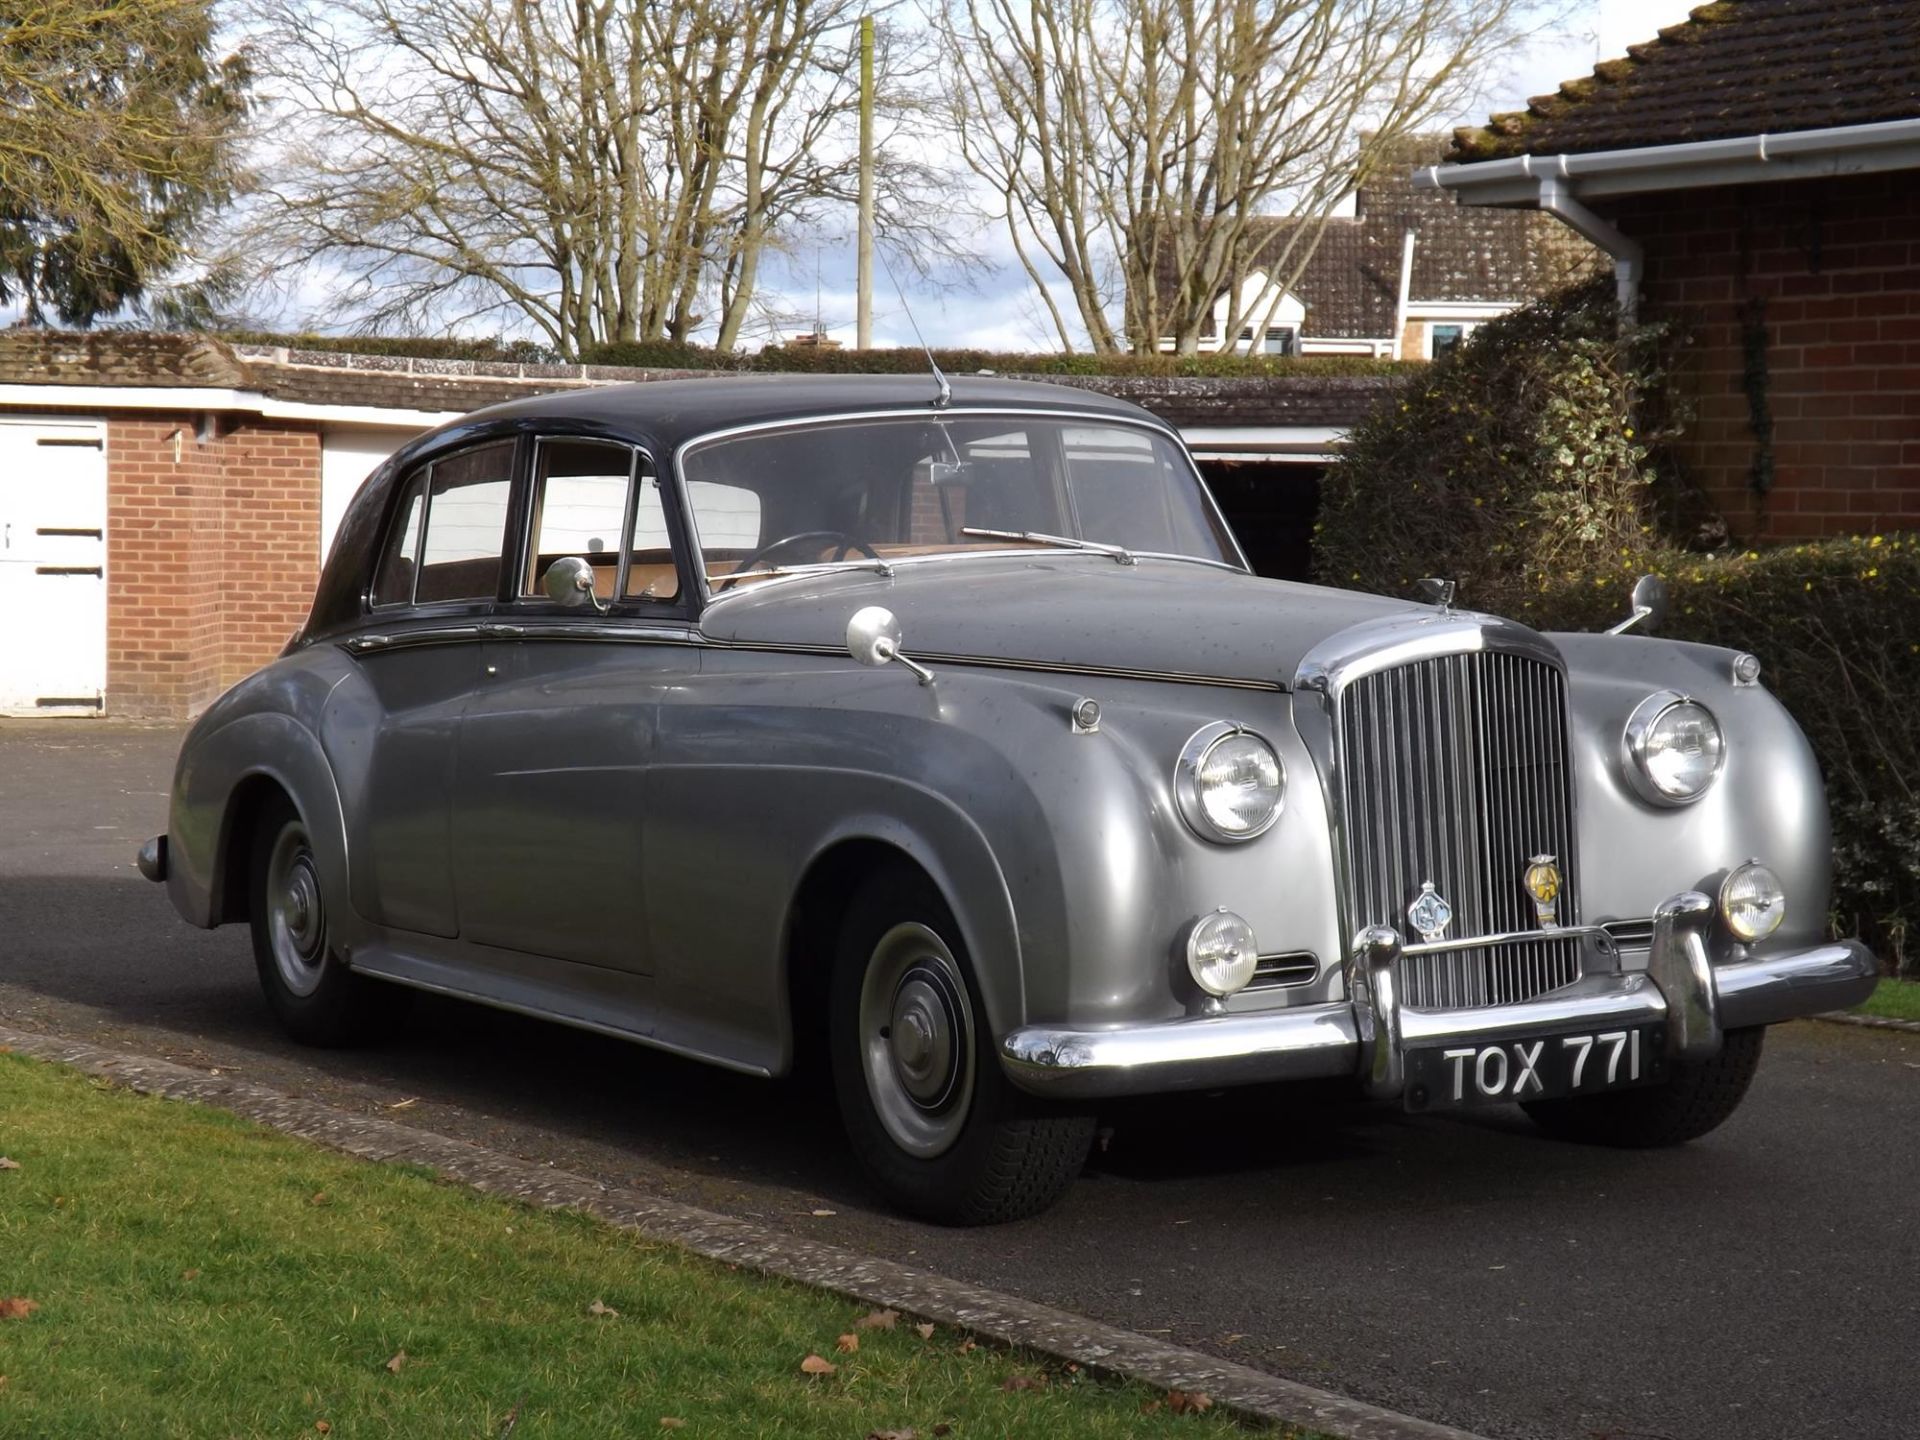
[
  {"x": 434, "y": 588},
  {"x": 551, "y": 792}
]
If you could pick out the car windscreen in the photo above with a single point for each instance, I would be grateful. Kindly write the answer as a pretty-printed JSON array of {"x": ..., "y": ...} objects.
[{"x": 912, "y": 486}]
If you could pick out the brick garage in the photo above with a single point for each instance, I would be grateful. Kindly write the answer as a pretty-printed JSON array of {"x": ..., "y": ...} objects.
[
  {"x": 1756, "y": 172},
  {"x": 211, "y": 553}
]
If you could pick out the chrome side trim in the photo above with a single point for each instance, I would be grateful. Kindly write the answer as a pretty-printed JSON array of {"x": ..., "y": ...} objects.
[
  {"x": 408, "y": 639},
  {"x": 997, "y": 662}
]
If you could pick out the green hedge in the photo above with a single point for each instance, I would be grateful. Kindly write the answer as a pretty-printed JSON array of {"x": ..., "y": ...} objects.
[
  {"x": 1836, "y": 625},
  {"x": 908, "y": 361}
]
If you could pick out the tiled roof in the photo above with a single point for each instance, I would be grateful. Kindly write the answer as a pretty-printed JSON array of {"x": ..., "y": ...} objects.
[
  {"x": 117, "y": 357},
  {"x": 1461, "y": 253},
  {"x": 1740, "y": 67},
  {"x": 111, "y": 357}
]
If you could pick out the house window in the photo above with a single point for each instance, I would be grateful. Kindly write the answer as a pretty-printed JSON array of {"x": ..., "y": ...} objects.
[
  {"x": 1281, "y": 340},
  {"x": 1442, "y": 338}
]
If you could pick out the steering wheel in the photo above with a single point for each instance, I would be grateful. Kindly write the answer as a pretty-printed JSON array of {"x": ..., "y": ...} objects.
[{"x": 847, "y": 542}]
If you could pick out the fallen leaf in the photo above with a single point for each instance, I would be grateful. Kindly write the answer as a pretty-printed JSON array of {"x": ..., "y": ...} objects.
[
  {"x": 323, "y": 1427},
  {"x": 1072, "y": 1369},
  {"x": 943, "y": 1428},
  {"x": 399, "y": 1359},
  {"x": 1151, "y": 1407},
  {"x": 847, "y": 1344},
  {"x": 406, "y": 1104},
  {"x": 6, "y": 1164},
  {"x": 926, "y": 1331},
  {"x": 1023, "y": 1382},
  {"x": 189, "y": 1274},
  {"x": 967, "y": 1347},
  {"x": 671, "y": 1422},
  {"x": 877, "y": 1320},
  {"x": 824, "y": 1213},
  {"x": 814, "y": 1365},
  {"x": 601, "y": 1308},
  {"x": 907, "y": 1434},
  {"x": 1189, "y": 1402},
  {"x": 319, "y": 1198},
  {"x": 6, "y": 1049},
  {"x": 17, "y": 1307}
]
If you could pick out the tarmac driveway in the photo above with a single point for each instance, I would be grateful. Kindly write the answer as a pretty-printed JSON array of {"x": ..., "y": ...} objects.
[{"x": 1763, "y": 1281}]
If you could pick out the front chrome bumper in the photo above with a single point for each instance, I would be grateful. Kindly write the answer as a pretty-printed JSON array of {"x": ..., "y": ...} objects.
[{"x": 1367, "y": 1036}]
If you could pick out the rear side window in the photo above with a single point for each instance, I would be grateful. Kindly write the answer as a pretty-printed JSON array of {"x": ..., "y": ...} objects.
[
  {"x": 393, "y": 581},
  {"x": 467, "y": 497}
]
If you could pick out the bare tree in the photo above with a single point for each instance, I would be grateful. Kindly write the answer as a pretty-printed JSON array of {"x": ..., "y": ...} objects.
[
  {"x": 1138, "y": 145},
  {"x": 595, "y": 169}
]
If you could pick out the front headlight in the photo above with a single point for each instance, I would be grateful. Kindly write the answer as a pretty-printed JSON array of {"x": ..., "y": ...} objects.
[
  {"x": 1229, "y": 783},
  {"x": 1674, "y": 748}
]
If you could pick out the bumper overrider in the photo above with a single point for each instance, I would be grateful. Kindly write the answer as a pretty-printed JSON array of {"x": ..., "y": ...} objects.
[{"x": 1690, "y": 1000}]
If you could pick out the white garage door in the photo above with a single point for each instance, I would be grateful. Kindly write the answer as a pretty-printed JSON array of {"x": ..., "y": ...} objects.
[{"x": 53, "y": 567}]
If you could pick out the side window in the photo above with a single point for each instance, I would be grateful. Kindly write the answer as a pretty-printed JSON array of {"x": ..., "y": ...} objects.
[
  {"x": 393, "y": 581},
  {"x": 579, "y": 509},
  {"x": 466, "y": 525},
  {"x": 650, "y": 571}
]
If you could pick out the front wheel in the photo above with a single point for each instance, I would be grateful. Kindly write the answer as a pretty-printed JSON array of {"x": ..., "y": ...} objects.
[
  {"x": 308, "y": 986},
  {"x": 931, "y": 1118},
  {"x": 1700, "y": 1096}
]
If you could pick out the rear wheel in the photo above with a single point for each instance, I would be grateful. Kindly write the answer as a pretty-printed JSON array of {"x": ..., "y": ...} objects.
[
  {"x": 932, "y": 1119},
  {"x": 309, "y": 988},
  {"x": 1698, "y": 1098}
]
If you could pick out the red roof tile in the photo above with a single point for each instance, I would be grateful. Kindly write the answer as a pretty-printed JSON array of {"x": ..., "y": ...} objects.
[{"x": 1740, "y": 67}]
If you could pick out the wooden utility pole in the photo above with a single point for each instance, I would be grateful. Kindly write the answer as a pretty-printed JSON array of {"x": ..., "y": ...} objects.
[{"x": 863, "y": 325}]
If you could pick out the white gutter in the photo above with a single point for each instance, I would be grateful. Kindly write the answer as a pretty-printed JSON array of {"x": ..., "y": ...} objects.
[
  {"x": 1796, "y": 155},
  {"x": 1406, "y": 287}
]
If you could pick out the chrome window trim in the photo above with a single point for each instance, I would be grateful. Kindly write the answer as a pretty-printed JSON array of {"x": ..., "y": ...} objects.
[
  {"x": 1633, "y": 743},
  {"x": 1186, "y": 782},
  {"x": 529, "y": 547},
  {"x": 691, "y": 529}
]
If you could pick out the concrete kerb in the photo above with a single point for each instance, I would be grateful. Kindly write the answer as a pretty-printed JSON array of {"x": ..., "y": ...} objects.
[
  {"x": 1103, "y": 1350},
  {"x": 1870, "y": 1022}
]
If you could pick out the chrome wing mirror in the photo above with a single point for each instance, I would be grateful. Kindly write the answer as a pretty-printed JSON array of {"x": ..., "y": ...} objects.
[
  {"x": 1649, "y": 606},
  {"x": 569, "y": 582},
  {"x": 873, "y": 638}
]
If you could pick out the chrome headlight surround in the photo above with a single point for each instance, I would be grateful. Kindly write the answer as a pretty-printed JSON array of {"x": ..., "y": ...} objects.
[
  {"x": 1189, "y": 785},
  {"x": 1638, "y": 740}
]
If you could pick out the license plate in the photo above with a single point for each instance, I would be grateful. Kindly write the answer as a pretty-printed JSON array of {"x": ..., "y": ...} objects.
[{"x": 1546, "y": 1067}]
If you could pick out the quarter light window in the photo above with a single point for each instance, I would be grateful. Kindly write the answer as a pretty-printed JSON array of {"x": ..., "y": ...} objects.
[{"x": 466, "y": 523}]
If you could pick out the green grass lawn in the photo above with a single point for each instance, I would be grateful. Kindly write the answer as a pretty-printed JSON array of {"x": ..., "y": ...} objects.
[
  {"x": 192, "y": 1274},
  {"x": 1895, "y": 999}
]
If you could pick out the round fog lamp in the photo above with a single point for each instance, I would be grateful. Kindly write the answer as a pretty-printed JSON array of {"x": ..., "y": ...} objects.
[
  {"x": 1752, "y": 902},
  {"x": 1221, "y": 953}
]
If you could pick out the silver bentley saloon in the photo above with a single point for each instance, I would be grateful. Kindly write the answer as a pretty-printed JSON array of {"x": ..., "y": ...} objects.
[{"x": 939, "y": 734}]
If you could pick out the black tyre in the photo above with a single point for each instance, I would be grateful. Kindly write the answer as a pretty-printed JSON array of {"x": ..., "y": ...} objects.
[
  {"x": 1698, "y": 1098},
  {"x": 934, "y": 1123},
  {"x": 309, "y": 988}
]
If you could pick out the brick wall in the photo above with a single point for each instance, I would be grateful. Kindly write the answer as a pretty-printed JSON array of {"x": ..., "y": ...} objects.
[
  {"x": 211, "y": 555},
  {"x": 1822, "y": 278}
]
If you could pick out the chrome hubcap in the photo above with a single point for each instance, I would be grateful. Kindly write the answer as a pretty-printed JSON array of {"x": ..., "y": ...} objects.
[
  {"x": 296, "y": 914},
  {"x": 916, "y": 1025}
]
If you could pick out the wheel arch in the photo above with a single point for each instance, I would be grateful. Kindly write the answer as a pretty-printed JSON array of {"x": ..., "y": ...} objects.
[{"x": 971, "y": 884}]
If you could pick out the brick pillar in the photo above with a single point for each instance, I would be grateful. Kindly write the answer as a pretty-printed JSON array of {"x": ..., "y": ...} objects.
[{"x": 271, "y": 543}]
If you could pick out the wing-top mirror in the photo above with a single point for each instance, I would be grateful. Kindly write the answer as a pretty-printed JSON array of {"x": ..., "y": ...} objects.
[
  {"x": 1649, "y": 607},
  {"x": 873, "y": 638},
  {"x": 569, "y": 582}
]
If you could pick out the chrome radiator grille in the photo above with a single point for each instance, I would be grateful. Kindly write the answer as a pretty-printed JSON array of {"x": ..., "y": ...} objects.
[{"x": 1454, "y": 770}]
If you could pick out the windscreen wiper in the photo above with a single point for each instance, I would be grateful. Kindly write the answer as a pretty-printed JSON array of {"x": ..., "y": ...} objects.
[{"x": 1118, "y": 552}]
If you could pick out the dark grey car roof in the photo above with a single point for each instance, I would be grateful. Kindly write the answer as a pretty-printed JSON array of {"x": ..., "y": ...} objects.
[{"x": 664, "y": 414}]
